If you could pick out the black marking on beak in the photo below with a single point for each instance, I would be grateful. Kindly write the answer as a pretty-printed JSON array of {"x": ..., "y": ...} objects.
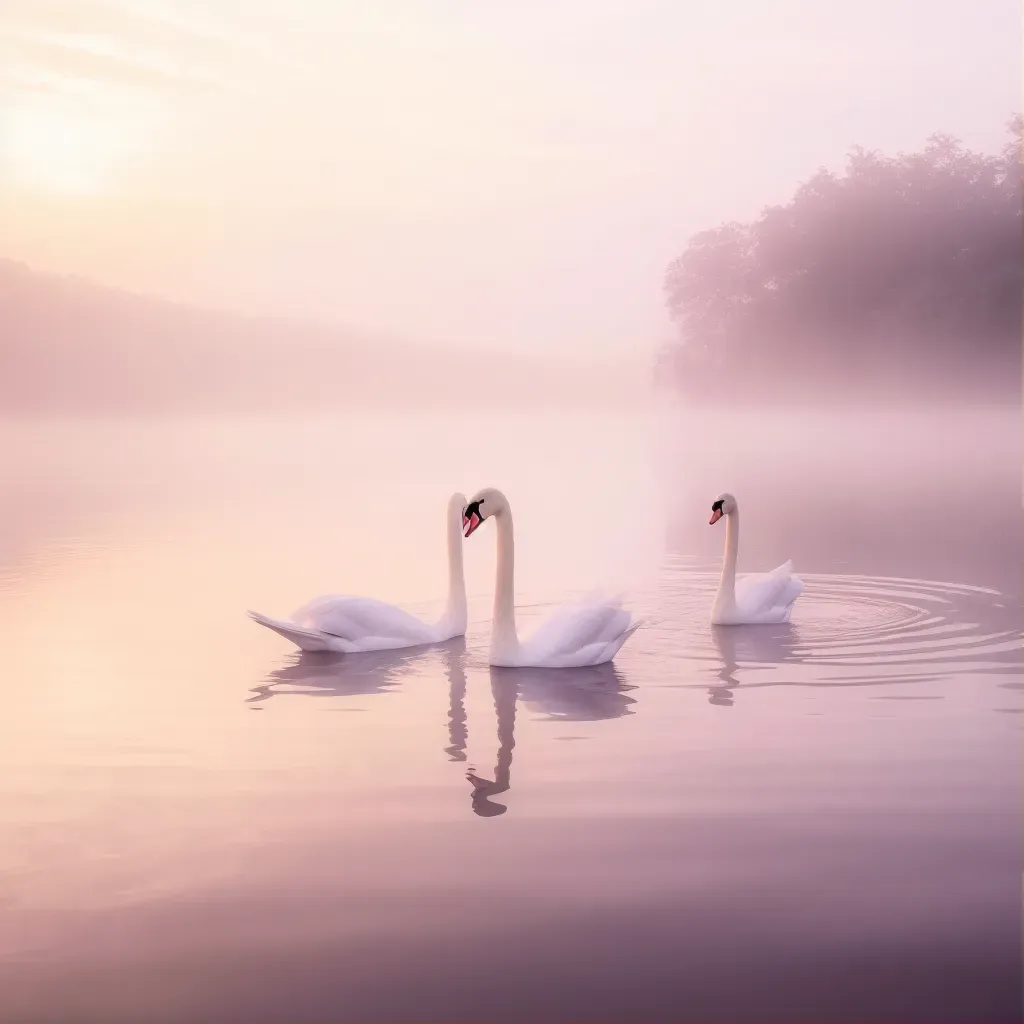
[
  {"x": 716, "y": 512},
  {"x": 472, "y": 517}
]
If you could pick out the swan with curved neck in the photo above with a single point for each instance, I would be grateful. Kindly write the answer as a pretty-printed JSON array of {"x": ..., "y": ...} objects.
[
  {"x": 353, "y": 624},
  {"x": 587, "y": 633},
  {"x": 760, "y": 598}
]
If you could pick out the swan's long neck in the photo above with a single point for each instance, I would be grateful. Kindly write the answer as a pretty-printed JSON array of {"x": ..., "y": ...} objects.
[
  {"x": 504, "y": 640},
  {"x": 727, "y": 586},
  {"x": 455, "y": 613}
]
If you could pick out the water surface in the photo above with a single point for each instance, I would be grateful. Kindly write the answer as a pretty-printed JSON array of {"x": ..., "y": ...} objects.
[{"x": 817, "y": 821}]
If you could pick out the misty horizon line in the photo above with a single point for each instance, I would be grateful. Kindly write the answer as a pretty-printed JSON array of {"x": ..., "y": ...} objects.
[
  {"x": 74, "y": 347},
  {"x": 316, "y": 324}
]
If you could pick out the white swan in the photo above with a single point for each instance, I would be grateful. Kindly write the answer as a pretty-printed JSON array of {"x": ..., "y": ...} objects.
[
  {"x": 589, "y": 632},
  {"x": 763, "y": 597},
  {"x": 353, "y": 624}
]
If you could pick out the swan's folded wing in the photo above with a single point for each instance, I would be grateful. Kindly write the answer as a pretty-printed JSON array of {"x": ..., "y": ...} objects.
[
  {"x": 761, "y": 592},
  {"x": 575, "y": 626},
  {"x": 793, "y": 589},
  {"x": 308, "y": 613},
  {"x": 362, "y": 617},
  {"x": 600, "y": 652},
  {"x": 305, "y": 639}
]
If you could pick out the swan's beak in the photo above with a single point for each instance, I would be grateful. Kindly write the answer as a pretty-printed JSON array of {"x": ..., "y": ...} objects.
[
  {"x": 715, "y": 516},
  {"x": 470, "y": 523}
]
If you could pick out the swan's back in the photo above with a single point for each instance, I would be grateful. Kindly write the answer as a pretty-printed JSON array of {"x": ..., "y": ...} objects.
[
  {"x": 587, "y": 632},
  {"x": 359, "y": 618},
  {"x": 768, "y": 596}
]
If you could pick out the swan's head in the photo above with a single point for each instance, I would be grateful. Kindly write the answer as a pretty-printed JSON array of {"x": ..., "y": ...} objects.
[
  {"x": 723, "y": 505},
  {"x": 484, "y": 504}
]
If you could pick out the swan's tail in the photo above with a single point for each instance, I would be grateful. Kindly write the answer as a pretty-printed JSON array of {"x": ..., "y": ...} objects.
[
  {"x": 306, "y": 639},
  {"x": 613, "y": 648},
  {"x": 793, "y": 588}
]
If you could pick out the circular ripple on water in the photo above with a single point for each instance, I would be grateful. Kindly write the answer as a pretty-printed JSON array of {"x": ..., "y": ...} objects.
[{"x": 845, "y": 630}]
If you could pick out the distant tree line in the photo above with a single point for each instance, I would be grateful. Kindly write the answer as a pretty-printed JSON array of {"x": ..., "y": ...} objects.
[{"x": 902, "y": 272}]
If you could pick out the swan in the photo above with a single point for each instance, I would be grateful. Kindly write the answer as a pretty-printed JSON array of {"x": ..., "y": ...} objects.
[
  {"x": 588, "y": 632},
  {"x": 762, "y": 597},
  {"x": 352, "y": 625}
]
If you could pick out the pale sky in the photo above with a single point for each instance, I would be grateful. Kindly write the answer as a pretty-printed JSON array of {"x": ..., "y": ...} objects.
[{"x": 495, "y": 174}]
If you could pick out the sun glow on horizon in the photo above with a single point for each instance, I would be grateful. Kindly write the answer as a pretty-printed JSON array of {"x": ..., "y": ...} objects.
[{"x": 60, "y": 151}]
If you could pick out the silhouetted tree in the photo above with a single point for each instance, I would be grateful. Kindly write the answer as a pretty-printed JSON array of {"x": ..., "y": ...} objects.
[{"x": 904, "y": 268}]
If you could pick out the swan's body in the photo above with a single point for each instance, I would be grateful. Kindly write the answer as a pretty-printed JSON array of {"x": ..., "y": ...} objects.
[
  {"x": 353, "y": 624},
  {"x": 758, "y": 598},
  {"x": 587, "y": 632}
]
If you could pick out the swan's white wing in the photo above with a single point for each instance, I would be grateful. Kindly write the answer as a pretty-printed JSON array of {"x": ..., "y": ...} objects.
[
  {"x": 574, "y": 627},
  {"x": 598, "y": 653},
  {"x": 761, "y": 592},
  {"x": 366, "y": 644},
  {"x": 362, "y": 619},
  {"x": 612, "y": 647},
  {"x": 311, "y": 608},
  {"x": 793, "y": 589},
  {"x": 305, "y": 639}
]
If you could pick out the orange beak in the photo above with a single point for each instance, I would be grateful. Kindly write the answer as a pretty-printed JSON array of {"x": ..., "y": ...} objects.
[
  {"x": 470, "y": 523},
  {"x": 715, "y": 516}
]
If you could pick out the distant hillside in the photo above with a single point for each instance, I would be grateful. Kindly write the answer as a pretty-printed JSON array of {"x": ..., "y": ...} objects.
[{"x": 71, "y": 347}]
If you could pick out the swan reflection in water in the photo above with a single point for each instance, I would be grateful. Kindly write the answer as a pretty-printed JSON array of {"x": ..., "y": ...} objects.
[
  {"x": 755, "y": 649},
  {"x": 850, "y": 630},
  {"x": 455, "y": 670},
  {"x": 347, "y": 675},
  {"x": 574, "y": 695},
  {"x": 751, "y": 644}
]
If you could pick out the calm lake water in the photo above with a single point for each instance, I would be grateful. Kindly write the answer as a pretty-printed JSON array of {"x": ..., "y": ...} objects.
[{"x": 818, "y": 821}]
